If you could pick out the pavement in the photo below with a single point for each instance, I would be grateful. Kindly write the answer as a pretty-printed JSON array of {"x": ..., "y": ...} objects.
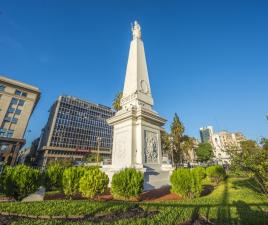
[{"x": 37, "y": 196}]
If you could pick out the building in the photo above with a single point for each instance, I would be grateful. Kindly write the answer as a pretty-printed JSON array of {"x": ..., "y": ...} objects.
[
  {"x": 221, "y": 142},
  {"x": 17, "y": 103},
  {"x": 72, "y": 131},
  {"x": 206, "y": 134}
]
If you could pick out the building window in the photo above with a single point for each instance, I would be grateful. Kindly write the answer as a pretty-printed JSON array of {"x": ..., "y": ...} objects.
[
  {"x": 7, "y": 119},
  {"x": 17, "y": 92},
  {"x": 14, "y": 120},
  {"x": 10, "y": 110},
  {"x": 21, "y": 102},
  {"x": 20, "y": 93},
  {"x": 18, "y": 112},
  {"x": 14, "y": 101},
  {"x": 2, "y": 87},
  {"x": 10, "y": 133}
]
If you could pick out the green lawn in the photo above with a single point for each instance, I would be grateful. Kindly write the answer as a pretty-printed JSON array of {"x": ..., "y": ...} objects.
[{"x": 235, "y": 201}]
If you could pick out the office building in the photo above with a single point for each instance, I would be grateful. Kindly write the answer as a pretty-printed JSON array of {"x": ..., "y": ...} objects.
[
  {"x": 73, "y": 129},
  {"x": 206, "y": 134},
  {"x": 221, "y": 142},
  {"x": 17, "y": 103}
]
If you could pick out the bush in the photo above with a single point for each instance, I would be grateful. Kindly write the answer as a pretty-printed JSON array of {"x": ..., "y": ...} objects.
[
  {"x": 53, "y": 176},
  {"x": 186, "y": 182},
  {"x": 19, "y": 181},
  {"x": 93, "y": 182},
  {"x": 201, "y": 171},
  {"x": 127, "y": 183},
  {"x": 216, "y": 173},
  {"x": 71, "y": 178}
]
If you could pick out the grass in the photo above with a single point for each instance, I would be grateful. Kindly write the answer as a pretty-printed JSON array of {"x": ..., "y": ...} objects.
[{"x": 234, "y": 201}]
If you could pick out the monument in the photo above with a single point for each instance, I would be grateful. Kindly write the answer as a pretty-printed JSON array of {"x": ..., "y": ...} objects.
[{"x": 136, "y": 138}]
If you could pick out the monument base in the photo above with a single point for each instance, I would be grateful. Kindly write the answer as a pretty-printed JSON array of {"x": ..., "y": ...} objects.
[{"x": 155, "y": 175}]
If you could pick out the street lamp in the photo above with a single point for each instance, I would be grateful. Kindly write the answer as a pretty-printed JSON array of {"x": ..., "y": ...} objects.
[{"x": 98, "y": 150}]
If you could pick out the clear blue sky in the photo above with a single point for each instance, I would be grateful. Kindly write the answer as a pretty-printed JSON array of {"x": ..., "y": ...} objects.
[{"x": 207, "y": 60}]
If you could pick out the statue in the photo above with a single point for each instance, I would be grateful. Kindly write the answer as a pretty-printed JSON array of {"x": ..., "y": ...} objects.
[{"x": 136, "y": 30}]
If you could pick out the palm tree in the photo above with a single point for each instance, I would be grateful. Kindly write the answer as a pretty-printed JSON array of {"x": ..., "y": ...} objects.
[{"x": 116, "y": 102}]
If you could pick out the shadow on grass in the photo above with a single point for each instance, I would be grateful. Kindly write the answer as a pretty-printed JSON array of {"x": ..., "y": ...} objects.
[{"x": 246, "y": 183}]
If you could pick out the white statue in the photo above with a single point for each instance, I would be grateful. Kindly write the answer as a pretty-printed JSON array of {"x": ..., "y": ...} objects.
[{"x": 136, "y": 30}]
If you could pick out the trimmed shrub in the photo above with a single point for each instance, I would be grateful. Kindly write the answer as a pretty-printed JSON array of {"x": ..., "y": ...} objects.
[
  {"x": 93, "y": 182},
  {"x": 186, "y": 183},
  {"x": 201, "y": 171},
  {"x": 71, "y": 178},
  {"x": 53, "y": 176},
  {"x": 216, "y": 173},
  {"x": 19, "y": 181},
  {"x": 127, "y": 183}
]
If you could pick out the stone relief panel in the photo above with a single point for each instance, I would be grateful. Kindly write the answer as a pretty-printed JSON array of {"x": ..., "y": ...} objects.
[
  {"x": 150, "y": 147},
  {"x": 120, "y": 146}
]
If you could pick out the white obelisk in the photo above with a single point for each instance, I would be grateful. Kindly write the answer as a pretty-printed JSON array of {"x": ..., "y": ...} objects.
[{"x": 136, "y": 140}]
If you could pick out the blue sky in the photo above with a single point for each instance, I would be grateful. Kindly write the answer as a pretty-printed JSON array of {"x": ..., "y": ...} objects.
[{"x": 207, "y": 60}]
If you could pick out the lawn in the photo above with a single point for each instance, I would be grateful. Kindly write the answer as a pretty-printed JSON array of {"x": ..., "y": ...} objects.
[{"x": 234, "y": 201}]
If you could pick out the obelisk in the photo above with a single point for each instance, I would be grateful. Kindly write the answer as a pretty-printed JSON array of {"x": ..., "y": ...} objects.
[{"x": 136, "y": 140}]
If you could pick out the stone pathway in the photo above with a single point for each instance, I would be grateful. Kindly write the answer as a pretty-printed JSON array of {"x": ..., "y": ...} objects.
[{"x": 37, "y": 196}]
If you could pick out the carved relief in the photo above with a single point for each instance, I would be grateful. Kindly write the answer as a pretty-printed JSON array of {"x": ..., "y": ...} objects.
[
  {"x": 150, "y": 147},
  {"x": 120, "y": 146}
]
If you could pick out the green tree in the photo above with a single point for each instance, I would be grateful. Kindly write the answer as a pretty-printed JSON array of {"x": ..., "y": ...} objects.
[
  {"x": 252, "y": 158},
  {"x": 116, "y": 102},
  {"x": 177, "y": 130},
  {"x": 187, "y": 145},
  {"x": 204, "y": 152},
  {"x": 165, "y": 142},
  {"x": 92, "y": 158}
]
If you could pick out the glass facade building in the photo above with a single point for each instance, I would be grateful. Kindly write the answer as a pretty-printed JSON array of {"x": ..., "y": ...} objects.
[{"x": 73, "y": 128}]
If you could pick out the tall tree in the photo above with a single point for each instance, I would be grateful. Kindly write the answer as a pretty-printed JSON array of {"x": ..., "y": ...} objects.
[
  {"x": 177, "y": 130},
  {"x": 204, "y": 152},
  {"x": 116, "y": 102},
  {"x": 187, "y": 146},
  {"x": 165, "y": 142}
]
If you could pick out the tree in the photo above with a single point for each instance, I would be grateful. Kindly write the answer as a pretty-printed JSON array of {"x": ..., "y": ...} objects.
[
  {"x": 116, "y": 102},
  {"x": 177, "y": 130},
  {"x": 187, "y": 146},
  {"x": 204, "y": 152},
  {"x": 92, "y": 158},
  {"x": 252, "y": 158},
  {"x": 165, "y": 142}
]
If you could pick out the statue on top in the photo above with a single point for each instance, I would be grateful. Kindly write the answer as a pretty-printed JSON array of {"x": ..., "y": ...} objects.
[{"x": 136, "y": 30}]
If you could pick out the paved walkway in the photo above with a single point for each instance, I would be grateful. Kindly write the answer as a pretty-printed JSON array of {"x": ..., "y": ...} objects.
[{"x": 37, "y": 196}]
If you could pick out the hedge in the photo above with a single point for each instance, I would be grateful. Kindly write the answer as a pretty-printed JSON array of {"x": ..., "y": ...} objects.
[
  {"x": 216, "y": 173},
  {"x": 186, "y": 183},
  {"x": 93, "y": 182},
  {"x": 127, "y": 183}
]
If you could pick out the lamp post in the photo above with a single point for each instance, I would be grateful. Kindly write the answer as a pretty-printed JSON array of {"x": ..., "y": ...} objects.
[{"x": 98, "y": 150}]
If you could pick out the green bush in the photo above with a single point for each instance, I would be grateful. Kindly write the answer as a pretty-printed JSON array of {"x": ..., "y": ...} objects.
[
  {"x": 186, "y": 182},
  {"x": 216, "y": 173},
  {"x": 19, "y": 181},
  {"x": 93, "y": 182},
  {"x": 71, "y": 178},
  {"x": 201, "y": 171},
  {"x": 127, "y": 183},
  {"x": 53, "y": 176}
]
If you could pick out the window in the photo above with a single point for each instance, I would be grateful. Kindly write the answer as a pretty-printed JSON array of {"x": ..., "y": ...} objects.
[
  {"x": 14, "y": 101},
  {"x": 2, "y": 132},
  {"x": 18, "y": 112},
  {"x": 10, "y": 133},
  {"x": 21, "y": 102},
  {"x": 14, "y": 120},
  {"x": 20, "y": 93},
  {"x": 10, "y": 110},
  {"x": 2, "y": 87},
  {"x": 17, "y": 92},
  {"x": 7, "y": 119}
]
